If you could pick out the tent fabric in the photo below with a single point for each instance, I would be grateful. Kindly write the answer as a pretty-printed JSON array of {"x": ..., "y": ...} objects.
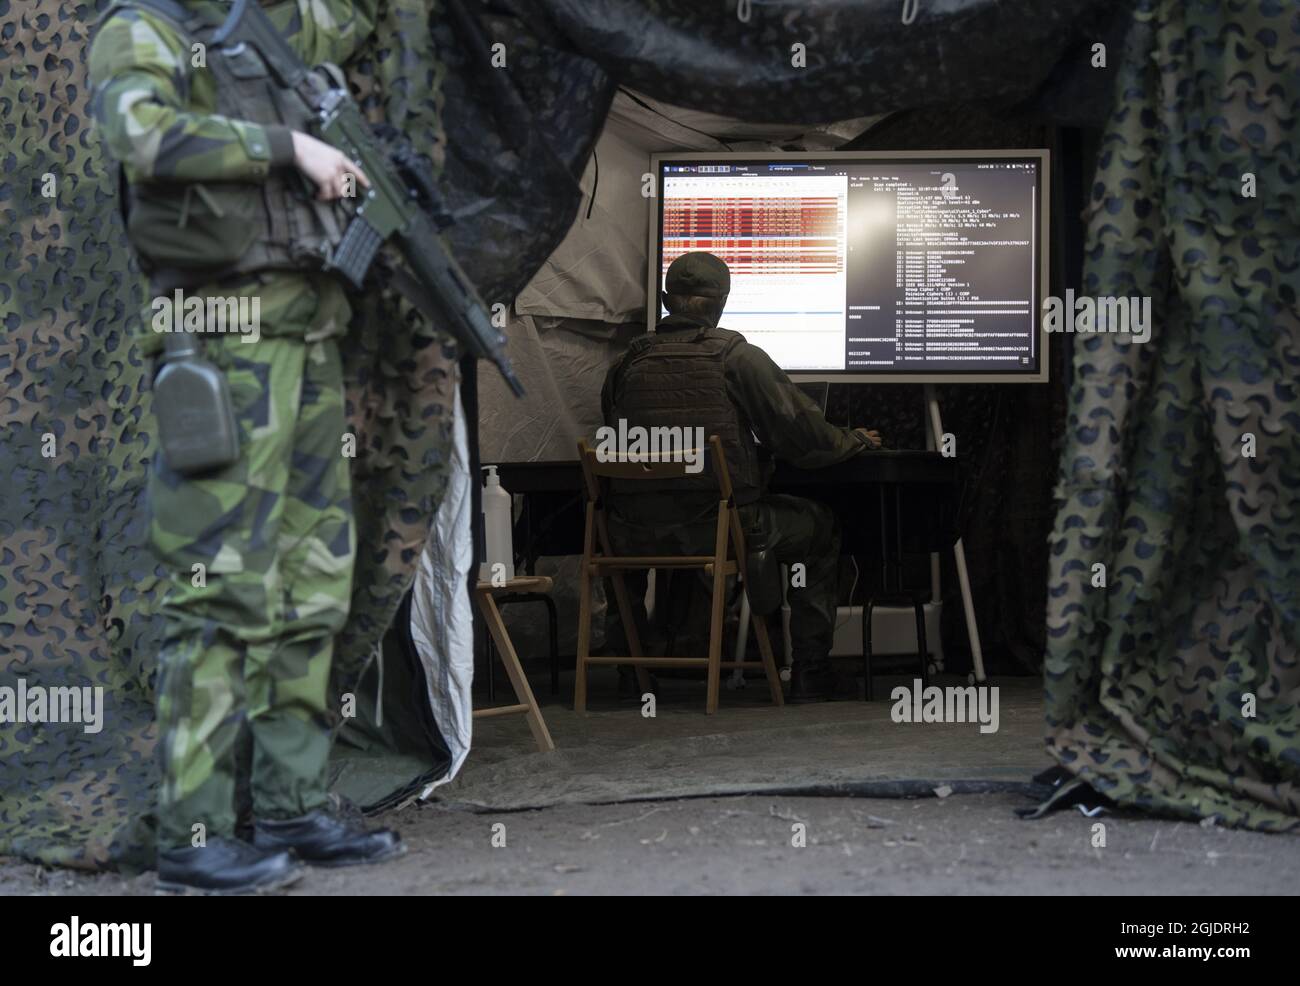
[
  {"x": 598, "y": 272},
  {"x": 442, "y": 620},
  {"x": 78, "y": 587},
  {"x": 1174, "y": 687},
  {"x": 562, "y": 364}
]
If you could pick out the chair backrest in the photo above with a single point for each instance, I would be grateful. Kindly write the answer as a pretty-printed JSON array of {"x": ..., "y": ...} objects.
[{"x": 649, "y": 465}]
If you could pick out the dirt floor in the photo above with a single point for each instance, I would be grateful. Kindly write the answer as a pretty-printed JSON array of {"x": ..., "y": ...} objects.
[
  {"x": 614, "y": 754},
  {"x": 681, "y": 828},
  {"x": 961, "y": 844}
]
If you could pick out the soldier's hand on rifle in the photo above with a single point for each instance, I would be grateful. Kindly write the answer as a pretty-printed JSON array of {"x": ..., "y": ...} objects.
[{"x": 328, "y": 167}]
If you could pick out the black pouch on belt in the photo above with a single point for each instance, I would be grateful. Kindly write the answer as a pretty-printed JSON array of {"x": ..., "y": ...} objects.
[{"x": 196, "y": 418}]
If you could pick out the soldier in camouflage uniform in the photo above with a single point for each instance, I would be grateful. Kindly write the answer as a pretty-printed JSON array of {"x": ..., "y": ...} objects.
[
  {"x": 260, "y": 553},
  {"x": 692, "y": 374}
]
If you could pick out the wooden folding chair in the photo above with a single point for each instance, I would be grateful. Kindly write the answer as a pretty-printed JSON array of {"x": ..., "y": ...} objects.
[{"x": 727, "y": 558}]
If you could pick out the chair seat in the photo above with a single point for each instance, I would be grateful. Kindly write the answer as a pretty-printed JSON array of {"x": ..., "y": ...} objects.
[
  {"x": 652, "y": 561},
  {"x": 672, "y": 662},
  {"x": 520, "y": 583},
  {"x": 914, "y": 597}
]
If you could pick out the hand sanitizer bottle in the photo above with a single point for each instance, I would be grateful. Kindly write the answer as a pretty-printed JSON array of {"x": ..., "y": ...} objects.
[{"x": 498, "y": 520}]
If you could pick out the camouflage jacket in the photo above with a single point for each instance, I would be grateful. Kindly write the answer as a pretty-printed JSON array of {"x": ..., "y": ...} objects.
[
  {"x": 154, "y": 104},
  {"x": 155, "y": 108}
]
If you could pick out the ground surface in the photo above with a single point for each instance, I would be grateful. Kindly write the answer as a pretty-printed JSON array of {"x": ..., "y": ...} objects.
[
  {"x": 616, "y": 754},
  {"x": 962, "y": 844}
]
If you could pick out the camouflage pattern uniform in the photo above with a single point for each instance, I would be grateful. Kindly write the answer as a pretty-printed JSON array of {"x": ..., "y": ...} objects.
[
  {"x": 248, "y": 644},
  {"x": 796, "y": 530}
]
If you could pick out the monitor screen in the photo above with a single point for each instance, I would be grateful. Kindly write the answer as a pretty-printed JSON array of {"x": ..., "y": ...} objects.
[{"x": 873, "y": 266}]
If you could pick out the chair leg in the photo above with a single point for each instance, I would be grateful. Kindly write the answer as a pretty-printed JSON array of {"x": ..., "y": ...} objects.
[
  {"x": 515, "y": 671},
  {"x": 866, "y": 651},
  {"x": 715, "y": 640},
  {"x": 584, "y": 641},
  {"x": 553, "y": 626},
  {"x": 769, "y": 662},
  {"x": 920, "y": 642},
  {"x": 742, "y": 640}
]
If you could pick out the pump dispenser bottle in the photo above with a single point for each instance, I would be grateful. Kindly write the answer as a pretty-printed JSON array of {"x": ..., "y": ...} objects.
[{"x": 498, "y": 519}]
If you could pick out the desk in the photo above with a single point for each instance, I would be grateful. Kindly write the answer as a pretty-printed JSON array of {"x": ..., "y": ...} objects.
[
  {"x": 914, "y": 509},
  {"x": 550, "y": 522}
]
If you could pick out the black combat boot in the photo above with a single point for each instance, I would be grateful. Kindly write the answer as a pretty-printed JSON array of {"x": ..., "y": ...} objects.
[
  {"x": 325, "y": 839},
  {"x": 225, "y": 866},
  {"x": 811, "y": 682}
]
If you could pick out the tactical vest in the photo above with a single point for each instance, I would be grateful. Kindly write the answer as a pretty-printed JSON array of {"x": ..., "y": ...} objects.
[
  {"x": 677, "y": 379},
  {"x": 191, "y": 233}
]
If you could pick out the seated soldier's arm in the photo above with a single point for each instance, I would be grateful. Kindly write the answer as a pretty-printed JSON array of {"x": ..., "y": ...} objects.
[{"x": 782, "y": 416}]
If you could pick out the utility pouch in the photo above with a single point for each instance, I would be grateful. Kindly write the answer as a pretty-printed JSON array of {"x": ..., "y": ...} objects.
[
  {"x": 196, "y": 417},
  {"x": 762, "y": 580},
  {"x": 192, "y": 225}
]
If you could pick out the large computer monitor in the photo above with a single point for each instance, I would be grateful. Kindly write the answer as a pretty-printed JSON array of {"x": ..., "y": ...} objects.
[{"x": 909, "y": 267}]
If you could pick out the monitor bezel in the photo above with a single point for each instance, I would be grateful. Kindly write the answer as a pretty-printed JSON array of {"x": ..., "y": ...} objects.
[{"x": 654, "y": 249}]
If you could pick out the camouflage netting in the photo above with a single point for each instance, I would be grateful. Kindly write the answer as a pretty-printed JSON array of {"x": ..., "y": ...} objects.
[
  {"x": 77, "y": 588},
  {"x": 1151, "y": 680},
  {"x": 77, "y": 585}
]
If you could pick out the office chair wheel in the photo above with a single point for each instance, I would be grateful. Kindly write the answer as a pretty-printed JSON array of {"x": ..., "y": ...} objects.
[
  {"x": 932, "y": 669},
  {"x": 736, "y": 681},
  {"x": 784, "y": 674},
  {"x": 970, "y": 679}
]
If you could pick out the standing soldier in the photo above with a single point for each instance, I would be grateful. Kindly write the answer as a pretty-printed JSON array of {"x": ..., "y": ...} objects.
[{"x": 259, "y": 552}]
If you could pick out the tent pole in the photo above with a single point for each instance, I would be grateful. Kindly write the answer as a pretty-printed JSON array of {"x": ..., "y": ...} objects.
[{"x": 958, "y": 551}]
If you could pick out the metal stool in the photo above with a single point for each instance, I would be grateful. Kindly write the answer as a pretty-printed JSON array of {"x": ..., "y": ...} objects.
[
  {"x": 917, "y": 601},
  {"x": 894, "y": 593}
]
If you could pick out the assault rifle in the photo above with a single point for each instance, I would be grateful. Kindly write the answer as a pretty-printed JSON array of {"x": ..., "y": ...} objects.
[{"x": 397, "y": 205}]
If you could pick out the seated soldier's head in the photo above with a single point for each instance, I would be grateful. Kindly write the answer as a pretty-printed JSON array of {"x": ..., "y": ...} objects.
[{"x": 697, "y": 285}]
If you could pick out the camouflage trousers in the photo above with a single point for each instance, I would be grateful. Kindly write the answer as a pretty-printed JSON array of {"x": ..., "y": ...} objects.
[{"x": 260, "y": 559}]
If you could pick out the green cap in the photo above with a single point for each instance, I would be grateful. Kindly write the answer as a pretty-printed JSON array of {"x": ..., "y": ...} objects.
[{"x": 700, "y": 274}]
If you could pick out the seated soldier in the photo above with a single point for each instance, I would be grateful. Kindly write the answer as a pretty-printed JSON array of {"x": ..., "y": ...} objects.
[{"x": 690, "y": 374}]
